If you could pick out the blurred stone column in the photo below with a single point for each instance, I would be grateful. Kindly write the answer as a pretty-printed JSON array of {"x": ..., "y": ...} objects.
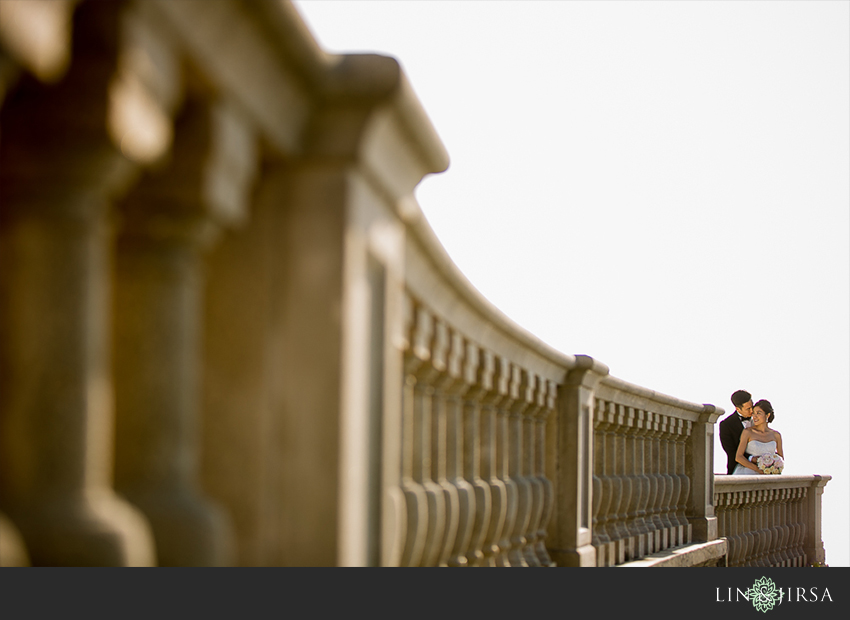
[
  {"x": 168, "y": 222},
  {"x": 13, "y": 551},
  {"x": 67, "y": 151},
  {"x": 571, "y": 527}
]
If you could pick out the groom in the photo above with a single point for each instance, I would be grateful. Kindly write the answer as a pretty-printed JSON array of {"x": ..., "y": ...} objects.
[{"x": 733, "y": 425}]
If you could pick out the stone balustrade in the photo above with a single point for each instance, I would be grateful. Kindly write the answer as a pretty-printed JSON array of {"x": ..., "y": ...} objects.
[
  {"x": 649, "y": 476},
  {"x": 771, "y": 520},
  {"x": 228, "y": 336}
]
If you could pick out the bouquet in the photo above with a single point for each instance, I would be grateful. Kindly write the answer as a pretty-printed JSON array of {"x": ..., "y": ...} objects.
[{"x": 770, "y": 463}]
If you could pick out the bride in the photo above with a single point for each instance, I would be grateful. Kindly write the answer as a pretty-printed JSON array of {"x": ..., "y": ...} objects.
[{"x": 757, "y": 440}]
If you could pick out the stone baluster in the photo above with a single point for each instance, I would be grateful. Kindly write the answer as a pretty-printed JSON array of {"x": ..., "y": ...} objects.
[
  {"x": 784, "y": 520},
  {"x": 746, "y": 528},
  {"x": 529, "y": 439},
  {"x": 432, "y": 351},
  {"x": 478, "y": 372},
  {"x": 443, "y": 467},
  {"x": 775, "y": 521},
  {"x": 69, "y": 150},
  {"x": 677, "y": 536},
  {"x": 775, "y": 524},
  {"x": 793, "y": 527},
  {"x": 733, "y": 532},
  {"x": 455, "y": 388},
  {"x": 503, "y": 457},
  {"x": 724, "y": 521},
  {"x": 738, "y": 540},
  {"x": 721, "y": 506},
  {"x": 415, "y": 500},
  {"x": 756, "y": 526},
  {"x": 658, "y": 519},
  {"x": 765, "y": 533},
  {"x": 635, "y": 523},
  {"x": 799, "y": 527},
  {"x": 518, "y": 473},
  {"x": 745, "y": 536},
  {"x": 764, "y": 529},
  {"x": 666, "y": 481},
  {"x": 491, "y": 400},
  {"x": 803, "y": 526},
  {"x": 640, "y": 482},
  {"x": 651, "y": 471},
  {"x": 626, "y": 464},
  {"x": 601, "y": 496},
  {"x": 623, "y": 488},
  {"x": 611, "y": 486},
  {"x": 680, "y": 448},
  {"x": 671, "y": 483},
  {"x": 771, "y": 530},
  {"x": 169, "y": 221},
  {"x": 740, "y": 498},
  {"x": 549, "y": 397},
  {"x": 739, "y": 530},
  {"x": 760, "y": 527},
  {"x": 790, "y": 525},
  {"x": 778, "y": 519}
]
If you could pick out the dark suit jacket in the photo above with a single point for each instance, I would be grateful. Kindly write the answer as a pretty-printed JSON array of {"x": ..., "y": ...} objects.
[{"x": 730, "y": 436}]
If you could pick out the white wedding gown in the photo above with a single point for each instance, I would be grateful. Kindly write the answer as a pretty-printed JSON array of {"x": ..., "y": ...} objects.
[{"x": 754, "y": 448}]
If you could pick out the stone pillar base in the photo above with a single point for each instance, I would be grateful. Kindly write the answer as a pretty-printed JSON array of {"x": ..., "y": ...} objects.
[
  {"x": 583, "y": 556},
  {"x": 703, "y": 529}
]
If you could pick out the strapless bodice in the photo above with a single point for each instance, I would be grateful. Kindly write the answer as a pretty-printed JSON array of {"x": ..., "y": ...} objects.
[{"x": 757, "y": 448}]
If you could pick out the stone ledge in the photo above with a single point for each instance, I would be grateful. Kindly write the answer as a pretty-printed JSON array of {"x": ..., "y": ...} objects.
[{"x": 712, "y": 553}]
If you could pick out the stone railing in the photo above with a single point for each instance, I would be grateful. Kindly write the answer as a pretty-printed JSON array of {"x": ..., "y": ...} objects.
[
  {"x": 651, "y": 488},
  {"x": 771, "y": 520},
  {"x": 228, "y": 336},
  {"x": 479, "y": 420}
]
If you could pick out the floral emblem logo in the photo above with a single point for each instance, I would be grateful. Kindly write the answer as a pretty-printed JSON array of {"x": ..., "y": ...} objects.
[{"x": 764, "y": 594}]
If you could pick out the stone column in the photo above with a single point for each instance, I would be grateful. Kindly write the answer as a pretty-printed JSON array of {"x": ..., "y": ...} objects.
[
  {"x": 339, "y": 376},
  {"x": 68, "y": 150},
  {"x": 699, "y": 470},
  {"x": 168, "y": 222},
  {"x": 13, "y": 551},
  {"x": 571, "y": 528}
]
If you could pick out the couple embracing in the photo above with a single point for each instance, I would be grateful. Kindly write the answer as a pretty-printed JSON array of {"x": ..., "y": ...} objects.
[{"x": 745, "y": 436}]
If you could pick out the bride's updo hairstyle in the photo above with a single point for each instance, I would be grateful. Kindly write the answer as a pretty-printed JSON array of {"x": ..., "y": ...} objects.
[{"x": 765, "y": 406}]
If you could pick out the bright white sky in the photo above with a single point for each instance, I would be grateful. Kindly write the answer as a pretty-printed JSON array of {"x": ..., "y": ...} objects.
[{"x": 664, "y": 186}]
